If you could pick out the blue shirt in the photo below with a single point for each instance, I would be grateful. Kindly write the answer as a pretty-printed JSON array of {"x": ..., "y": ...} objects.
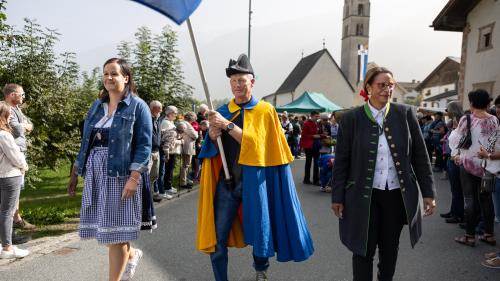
[{"x": 130, "y": 137}]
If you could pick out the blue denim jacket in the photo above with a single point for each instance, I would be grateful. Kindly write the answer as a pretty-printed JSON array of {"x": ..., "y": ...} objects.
[{"x": 130, "y": 137}]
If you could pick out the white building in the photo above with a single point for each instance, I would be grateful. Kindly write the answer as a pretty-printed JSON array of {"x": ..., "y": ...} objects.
[
  {"x": 355, "y": 34},
  {"x": 398, "y": 94},
  {"x": 479, "y": 22},
  {"x": 319, "y": 73},
  {"x": 440, "y": 86},
  {"x": 411, "y": 93}
]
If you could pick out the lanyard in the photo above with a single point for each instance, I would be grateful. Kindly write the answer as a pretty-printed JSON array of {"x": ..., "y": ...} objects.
[{"x": 368, "y": 112}]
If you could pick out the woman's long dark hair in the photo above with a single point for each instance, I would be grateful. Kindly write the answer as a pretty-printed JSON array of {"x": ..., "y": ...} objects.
[{"x": 126, "y": 71}]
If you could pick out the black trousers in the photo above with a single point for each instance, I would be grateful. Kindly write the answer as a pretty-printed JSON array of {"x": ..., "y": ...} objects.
[
  {"x": 169, "y": 172},
  {"x": 387, "y": 217},
  {"x": 476, "y": 204},
  {"x": 312, "y": 155}
]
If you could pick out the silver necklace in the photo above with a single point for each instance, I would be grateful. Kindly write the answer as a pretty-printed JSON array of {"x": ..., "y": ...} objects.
[{"x": 98, "y": 135}]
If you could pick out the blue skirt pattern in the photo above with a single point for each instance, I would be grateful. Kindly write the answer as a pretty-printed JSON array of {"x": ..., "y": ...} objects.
[
  {"x": 104, "y": 215},
  {"x": 273, "y": 221}
]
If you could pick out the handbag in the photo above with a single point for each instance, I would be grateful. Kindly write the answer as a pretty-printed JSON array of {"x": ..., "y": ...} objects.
[
  {"x": 487, "y": 180},
  {"x": 466, "y": 141}
]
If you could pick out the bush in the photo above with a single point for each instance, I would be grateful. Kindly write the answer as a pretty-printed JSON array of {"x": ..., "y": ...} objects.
[{"x": 46, "y": 215}]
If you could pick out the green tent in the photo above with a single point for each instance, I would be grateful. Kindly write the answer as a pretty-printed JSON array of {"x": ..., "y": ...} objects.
[{"x": 309, "y": 102}]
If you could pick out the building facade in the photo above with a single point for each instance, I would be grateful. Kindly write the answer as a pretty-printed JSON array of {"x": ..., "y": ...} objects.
[
  {"x": 479, "y": 22},
  {"x": 440, "y": 86},
  {"x": 355, "y": 31},
  {"x": 319, "y": 73}
]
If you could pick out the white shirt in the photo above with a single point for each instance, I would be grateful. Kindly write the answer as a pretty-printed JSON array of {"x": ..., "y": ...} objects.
[
  {"x": 105, "y": 121},
  {"x": 385, "y": 171}
]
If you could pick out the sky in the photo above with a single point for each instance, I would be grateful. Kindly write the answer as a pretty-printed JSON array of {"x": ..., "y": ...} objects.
[{"x": 400, "y": 36}]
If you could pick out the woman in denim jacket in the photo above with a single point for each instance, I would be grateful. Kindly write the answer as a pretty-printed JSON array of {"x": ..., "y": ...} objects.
[{"x": 113, "y": 158}]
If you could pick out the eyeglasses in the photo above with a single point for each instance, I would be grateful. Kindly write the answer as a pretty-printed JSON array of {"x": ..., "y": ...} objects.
[
  {"x": 22, "y": 94},
  {"x": 383, "y": 85}
]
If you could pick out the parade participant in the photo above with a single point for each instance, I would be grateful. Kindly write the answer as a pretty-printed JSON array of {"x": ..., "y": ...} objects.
[
  {"x": 380, "y": 156},
  {"x": 116, "y": 179},
  {"x": 258, "y": 159}
]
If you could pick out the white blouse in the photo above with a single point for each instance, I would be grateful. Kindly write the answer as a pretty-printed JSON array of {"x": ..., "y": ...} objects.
[{"x": 385, "y": 171}]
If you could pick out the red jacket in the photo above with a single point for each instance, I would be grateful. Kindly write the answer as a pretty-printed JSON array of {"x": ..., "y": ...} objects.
[
  {"x": 310, "y": 129},
  {"x": 196, "y": 126}
]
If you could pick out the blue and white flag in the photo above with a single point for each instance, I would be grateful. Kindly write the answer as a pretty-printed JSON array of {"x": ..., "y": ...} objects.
[
  {"x": 176, "y": 10},
  {"x": 362, "y": 62}
]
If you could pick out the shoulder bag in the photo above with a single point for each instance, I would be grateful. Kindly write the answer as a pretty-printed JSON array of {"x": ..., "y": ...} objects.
[
  {"x": 487, "y": 180},
  {"x": 466, "y": 140}
]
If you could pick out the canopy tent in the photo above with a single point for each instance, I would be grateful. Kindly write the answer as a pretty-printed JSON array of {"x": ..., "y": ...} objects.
[{"x": 308, "y": 102}]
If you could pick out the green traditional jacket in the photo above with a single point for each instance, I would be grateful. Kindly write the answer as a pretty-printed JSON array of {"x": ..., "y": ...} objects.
[{"x": 355, "y": 159}]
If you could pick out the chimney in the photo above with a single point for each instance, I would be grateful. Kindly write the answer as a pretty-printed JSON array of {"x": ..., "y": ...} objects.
[{"x": 413, "y": 81}]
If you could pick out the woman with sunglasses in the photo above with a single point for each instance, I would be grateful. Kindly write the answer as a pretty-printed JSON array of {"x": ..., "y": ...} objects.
[{"x": 380, "y": 156}]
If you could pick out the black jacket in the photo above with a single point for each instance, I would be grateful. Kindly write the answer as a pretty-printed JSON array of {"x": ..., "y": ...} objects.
[{"x": 356, "y": 154}]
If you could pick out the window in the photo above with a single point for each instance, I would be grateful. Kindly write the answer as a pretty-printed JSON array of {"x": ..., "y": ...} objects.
[
  {"x": 360, "y": 10},
  {"x": 346, "y": 11},
  {"x": 485, "y": 41},
  {"x": 445, "y": 90},
  {"x": 359, "y": 29},
  {"x": 488, "y": 86},
  {"x": 425, "y": 104},
  {"x": 428, "y": 93},
  {"x": 346, "y": 29}
]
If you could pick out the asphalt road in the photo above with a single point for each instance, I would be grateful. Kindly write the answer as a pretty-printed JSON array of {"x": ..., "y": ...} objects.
[{"x": 170, "y": 253}]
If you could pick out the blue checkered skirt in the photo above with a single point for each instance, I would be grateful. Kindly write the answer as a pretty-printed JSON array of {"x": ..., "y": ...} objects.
[{"x": 104, "y": 215}]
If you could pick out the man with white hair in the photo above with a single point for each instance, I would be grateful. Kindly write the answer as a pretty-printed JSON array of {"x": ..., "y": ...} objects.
[
  {"x": 168, "y": 142},
  {"x": 154, "y": 164},
  {"x": 202, "y": 113},
  {"x": 261, "y": 181}
]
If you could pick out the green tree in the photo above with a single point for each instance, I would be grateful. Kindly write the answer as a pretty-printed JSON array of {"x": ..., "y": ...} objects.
[
  {"x": 52, "y": 93},
  {"x": 157, "y": 69},
  {"x": 144, "y": 65},
  {"x": 124, "y": 50}
]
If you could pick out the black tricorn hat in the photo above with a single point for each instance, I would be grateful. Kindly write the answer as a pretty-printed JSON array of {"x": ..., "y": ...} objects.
[{"x": 242, "y": 65}]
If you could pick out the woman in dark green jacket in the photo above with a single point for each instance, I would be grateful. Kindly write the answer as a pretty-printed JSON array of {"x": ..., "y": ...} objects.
[{"x": 382, "y": 177}]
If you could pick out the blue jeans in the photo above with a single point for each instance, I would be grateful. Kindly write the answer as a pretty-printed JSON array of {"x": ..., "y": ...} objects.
[
  {"x": 457, "y": 196},
  {"x": 158, "y": 187},
  {"x": 226, "y": 206}
]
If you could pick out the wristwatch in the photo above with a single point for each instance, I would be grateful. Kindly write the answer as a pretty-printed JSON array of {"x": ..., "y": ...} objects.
[{"x": 230, "y": 126}]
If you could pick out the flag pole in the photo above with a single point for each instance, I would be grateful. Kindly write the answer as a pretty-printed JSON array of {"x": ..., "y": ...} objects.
[{"x": 207, "y": 95}]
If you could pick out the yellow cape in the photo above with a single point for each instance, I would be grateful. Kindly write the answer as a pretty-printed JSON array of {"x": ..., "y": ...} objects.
[{"x": 263, "y": 144}]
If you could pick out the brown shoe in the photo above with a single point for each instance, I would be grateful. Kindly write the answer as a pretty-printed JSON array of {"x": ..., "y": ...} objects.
[
  {"x": 492, "y": 263},
  {"x": 491, "y": 255},
  {"x": 466, "y": 240},
  {"x": 488, "y": 239},
  {"x": 22, "y": 224}
]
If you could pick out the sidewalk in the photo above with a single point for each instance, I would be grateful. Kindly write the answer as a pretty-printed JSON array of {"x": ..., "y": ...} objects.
[{"x": 63, "y": 244}]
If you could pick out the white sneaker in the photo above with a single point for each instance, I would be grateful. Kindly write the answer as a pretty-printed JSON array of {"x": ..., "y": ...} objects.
[
  {"x": 15, "y": 253},
  {"x": 260, "y": 276},
  {"x": 132, "y": 265},
  {"x": 172, "y": 191},
  {"x": 166, "y": 196}
]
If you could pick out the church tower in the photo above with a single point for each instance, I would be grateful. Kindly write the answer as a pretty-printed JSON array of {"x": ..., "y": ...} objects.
[{"x": 355, "y": 30}]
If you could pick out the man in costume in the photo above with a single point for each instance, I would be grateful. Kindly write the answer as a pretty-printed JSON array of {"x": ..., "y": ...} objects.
[{"x": 270, "y": 218}]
